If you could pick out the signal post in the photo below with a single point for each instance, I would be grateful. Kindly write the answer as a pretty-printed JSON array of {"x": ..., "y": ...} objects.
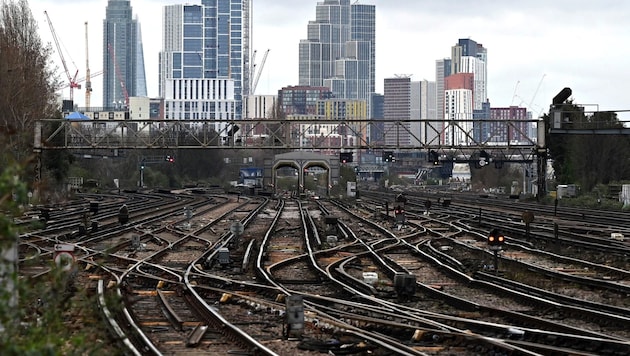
[{"x": 495, "y": 242}]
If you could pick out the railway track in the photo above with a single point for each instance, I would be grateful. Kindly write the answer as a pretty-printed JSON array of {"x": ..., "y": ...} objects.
[{"x": 201, "y": 263}]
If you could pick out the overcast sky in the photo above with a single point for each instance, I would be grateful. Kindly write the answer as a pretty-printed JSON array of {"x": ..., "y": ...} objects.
[{"x": 535, "y": 47}]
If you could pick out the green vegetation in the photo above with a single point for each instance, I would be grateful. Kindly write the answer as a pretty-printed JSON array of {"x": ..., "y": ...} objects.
[
  {"x": 45, "y": 316},
  {"x": 589, "y": 160}
]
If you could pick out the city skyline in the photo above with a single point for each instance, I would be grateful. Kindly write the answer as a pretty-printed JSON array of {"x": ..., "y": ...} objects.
[{"x": 537, "y": 48}]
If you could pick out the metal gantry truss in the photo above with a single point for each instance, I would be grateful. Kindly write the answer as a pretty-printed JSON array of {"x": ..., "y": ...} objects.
[{"x": 300, "y": 134}]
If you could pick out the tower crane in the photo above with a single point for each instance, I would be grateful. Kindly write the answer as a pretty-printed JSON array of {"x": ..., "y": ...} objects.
[
  {"x": 262, "y": 65},
  {"x": 252, "y": 73},
  {"x": 72, "y": 80},
  {"x": 88, "y": 80},
  {"x": 531, "y": 102},
  {"x": 81, "y": 79}
]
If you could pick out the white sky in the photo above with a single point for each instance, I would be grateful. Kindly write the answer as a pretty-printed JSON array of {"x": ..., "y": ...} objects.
[{"x": 535, "y": 47}]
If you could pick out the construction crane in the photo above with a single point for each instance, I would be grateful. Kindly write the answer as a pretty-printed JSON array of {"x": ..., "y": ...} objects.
[
  {"x": 252, "y": 72},
  {"x": 81, "y": 79},
  {"x": 262, "y": 65},
  {"x": 531, "y": 102},
  {"x": 72, "y": 80},
  {"x": 118, "y": 75},
  {"x": 515, "y": 95},
  {"x": 88, "y": 80}
]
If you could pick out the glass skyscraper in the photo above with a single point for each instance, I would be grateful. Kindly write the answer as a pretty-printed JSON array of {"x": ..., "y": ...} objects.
[
  {"x": 123, "y": 60},
  {"x": 339, "y": 51},
  {"x": 204, "y": 59}
]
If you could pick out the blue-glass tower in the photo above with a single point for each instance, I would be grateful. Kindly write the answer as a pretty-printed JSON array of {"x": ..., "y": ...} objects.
[
  {"x": 123, "y": 60},
  {"x": 206, "y": 42}
]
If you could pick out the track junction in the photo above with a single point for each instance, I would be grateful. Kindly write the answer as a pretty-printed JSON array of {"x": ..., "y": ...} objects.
[{"x": 200, "y": 272}]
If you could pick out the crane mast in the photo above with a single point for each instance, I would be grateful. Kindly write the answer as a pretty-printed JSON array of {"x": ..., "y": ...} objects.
[
  {"x": 88, "y": 80},
  {"x": 118, "y": 74},
  {"x": 258, "y": 72},
  {"x": 72, "y": 80}
]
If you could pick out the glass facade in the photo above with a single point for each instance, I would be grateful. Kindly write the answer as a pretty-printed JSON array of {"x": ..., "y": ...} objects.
[
  {"x": 205, "y": 46},
  {"x": 302, "y": 100},
  {"x": 123, "y": 60},
  {"x": 364, "y": 30},
  {"x": 339, "y": 52}
]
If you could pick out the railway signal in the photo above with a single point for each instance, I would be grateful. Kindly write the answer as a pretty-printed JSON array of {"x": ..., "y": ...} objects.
[
  {"x": 495, "y": 242},
  {"x": 169, "y": 159},
  {"x": 496, "y": 238},
  {"x": 399, "y": 214},
  {"x": 484, "y": 159},
  {"x": 388, "y": 156},
  {"x": 434, "y": 157},
  {"x": 346, "y": 157}
]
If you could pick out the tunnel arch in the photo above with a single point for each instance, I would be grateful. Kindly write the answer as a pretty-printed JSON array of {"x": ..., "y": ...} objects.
[{"x": 305, "y": 160}]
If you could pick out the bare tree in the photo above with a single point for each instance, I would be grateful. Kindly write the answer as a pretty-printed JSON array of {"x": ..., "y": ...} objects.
[{"x": 27, "y": 80}]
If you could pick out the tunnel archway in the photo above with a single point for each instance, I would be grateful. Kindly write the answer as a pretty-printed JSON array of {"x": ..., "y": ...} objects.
[{"x": 303, "y": 162}]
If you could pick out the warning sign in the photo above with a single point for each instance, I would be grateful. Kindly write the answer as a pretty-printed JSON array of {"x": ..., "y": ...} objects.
[{"x": 64, "y": 256}]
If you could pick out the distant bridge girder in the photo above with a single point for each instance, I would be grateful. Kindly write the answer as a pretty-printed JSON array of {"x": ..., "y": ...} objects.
[{"x": 305, "y": 134}]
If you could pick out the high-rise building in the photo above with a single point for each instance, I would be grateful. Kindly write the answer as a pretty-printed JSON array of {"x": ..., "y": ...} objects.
[
  {"x": 442, "y": 70},
  {"x": 364, "y": 29},
  {"x": 340, "y": 51},
  {"x": 204, "y": 60},
  {"x": 458, "y": 108},
  {"x": 397, "y": 111},
  {"x": 377, "y": 114},
  {"x": 462, "y": 98},
  {"x": 409, "y": 109},
  {"x": 468, "y": 56},
  {"x": 123, "y": 60},
  {"x": 423, "y": 112}
]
